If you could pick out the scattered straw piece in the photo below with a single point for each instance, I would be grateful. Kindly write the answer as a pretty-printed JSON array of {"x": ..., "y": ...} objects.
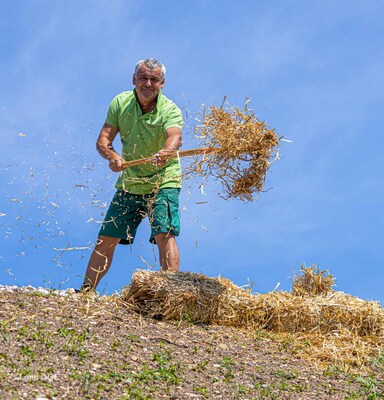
[{"x": 246, "y": 149}]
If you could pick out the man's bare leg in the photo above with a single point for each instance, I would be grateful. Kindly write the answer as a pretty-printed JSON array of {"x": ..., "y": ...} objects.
[
  {"x": 168, "y": 252},
  {"x": 99, "y": 262}
]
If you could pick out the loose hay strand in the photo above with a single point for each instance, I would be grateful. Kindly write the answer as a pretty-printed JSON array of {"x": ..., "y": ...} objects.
[{"x": 247, "y": 147}]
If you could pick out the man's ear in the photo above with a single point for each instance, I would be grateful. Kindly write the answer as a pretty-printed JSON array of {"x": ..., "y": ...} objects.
[
  {"x": 162, "y": 83},
  {"x": 134, "y": 79}
]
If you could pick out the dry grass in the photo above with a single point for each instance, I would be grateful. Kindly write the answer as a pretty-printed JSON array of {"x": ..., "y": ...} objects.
[{"x": 246, "y": 148}]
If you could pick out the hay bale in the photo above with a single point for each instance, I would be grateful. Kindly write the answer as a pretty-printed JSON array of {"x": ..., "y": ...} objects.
[
  {"x": 201, "y": 299},
  {"x": 246, "y": 148},
  {"x": 184, "y": 295}
]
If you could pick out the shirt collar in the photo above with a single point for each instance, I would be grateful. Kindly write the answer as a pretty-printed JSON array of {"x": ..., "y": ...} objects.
[{"x": 159, "y": 100}]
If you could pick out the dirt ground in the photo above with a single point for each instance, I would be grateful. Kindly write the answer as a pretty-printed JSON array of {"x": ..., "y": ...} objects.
[{"x": 91, "y": 347}]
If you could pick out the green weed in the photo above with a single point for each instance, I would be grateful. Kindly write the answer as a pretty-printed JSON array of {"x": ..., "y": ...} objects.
[
  {"x": 226, "y": 364},
  {"x": 201, "y": 389},
  {"x": 28, "y": 351},
  {"x": 75, "y": 341},
  {"x": 286, "y": 374}
]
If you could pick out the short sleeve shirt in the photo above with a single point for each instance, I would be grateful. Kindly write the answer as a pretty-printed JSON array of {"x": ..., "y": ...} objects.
[{"x": 143, "y": 135}]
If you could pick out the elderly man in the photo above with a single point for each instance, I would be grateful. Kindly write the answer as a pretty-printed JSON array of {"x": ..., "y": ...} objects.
[{"x": 148, "y": 124}]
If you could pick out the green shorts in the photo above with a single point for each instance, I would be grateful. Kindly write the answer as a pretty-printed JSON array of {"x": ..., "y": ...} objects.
[{"x": 127, "y": 210}]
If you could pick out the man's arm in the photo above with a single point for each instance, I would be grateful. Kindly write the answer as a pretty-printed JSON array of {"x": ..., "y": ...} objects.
[
  {"x": 172, "y": 143},
  {"x": 105, "y": 148}
]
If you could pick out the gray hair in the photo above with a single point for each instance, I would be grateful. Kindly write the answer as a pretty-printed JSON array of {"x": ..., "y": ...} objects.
[{"x": 151, "y": 63}]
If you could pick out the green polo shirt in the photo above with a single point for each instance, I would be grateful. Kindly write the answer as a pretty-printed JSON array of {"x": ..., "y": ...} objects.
[{"x": 143, "y": 135}]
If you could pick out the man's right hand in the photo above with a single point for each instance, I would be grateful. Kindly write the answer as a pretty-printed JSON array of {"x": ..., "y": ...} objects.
[
  {"x": 105, "y": 148},
  {"x": 115, "y": 162}
]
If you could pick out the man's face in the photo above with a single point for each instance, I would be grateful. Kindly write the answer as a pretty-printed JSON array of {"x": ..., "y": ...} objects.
[{"x": 148, "y": 83}]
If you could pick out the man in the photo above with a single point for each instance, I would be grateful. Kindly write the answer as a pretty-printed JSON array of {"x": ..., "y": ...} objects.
[{"x": 149, "y": 125}]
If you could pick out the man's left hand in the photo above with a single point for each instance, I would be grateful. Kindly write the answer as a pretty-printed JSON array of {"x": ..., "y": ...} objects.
[{"x": 160, "y": 158}]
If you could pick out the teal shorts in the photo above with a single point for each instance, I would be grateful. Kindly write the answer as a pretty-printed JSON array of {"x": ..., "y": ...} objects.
[{"x": 127, "y": 210}]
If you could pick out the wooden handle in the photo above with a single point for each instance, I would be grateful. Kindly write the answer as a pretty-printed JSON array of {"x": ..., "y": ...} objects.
[{"x": 173, "y": 154}]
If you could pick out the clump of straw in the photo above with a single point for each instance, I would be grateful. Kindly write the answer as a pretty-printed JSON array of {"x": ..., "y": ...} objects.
[
  {"x": 312, "y": 282},
  {"x": 246, "y": 148}
]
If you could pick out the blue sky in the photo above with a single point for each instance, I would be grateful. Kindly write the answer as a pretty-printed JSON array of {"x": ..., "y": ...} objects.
[{"x": 314, "y": 71}]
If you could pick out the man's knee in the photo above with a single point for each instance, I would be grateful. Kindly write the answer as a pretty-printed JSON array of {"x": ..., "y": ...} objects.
[
  {"x": 105, "y": 243},
  {"x": 162, "y": 238}
]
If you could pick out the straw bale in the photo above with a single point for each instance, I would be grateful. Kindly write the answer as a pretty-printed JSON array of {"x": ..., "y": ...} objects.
[
  {"x": 246, "y": 148},
  {"x": 202, "y": 299}
]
